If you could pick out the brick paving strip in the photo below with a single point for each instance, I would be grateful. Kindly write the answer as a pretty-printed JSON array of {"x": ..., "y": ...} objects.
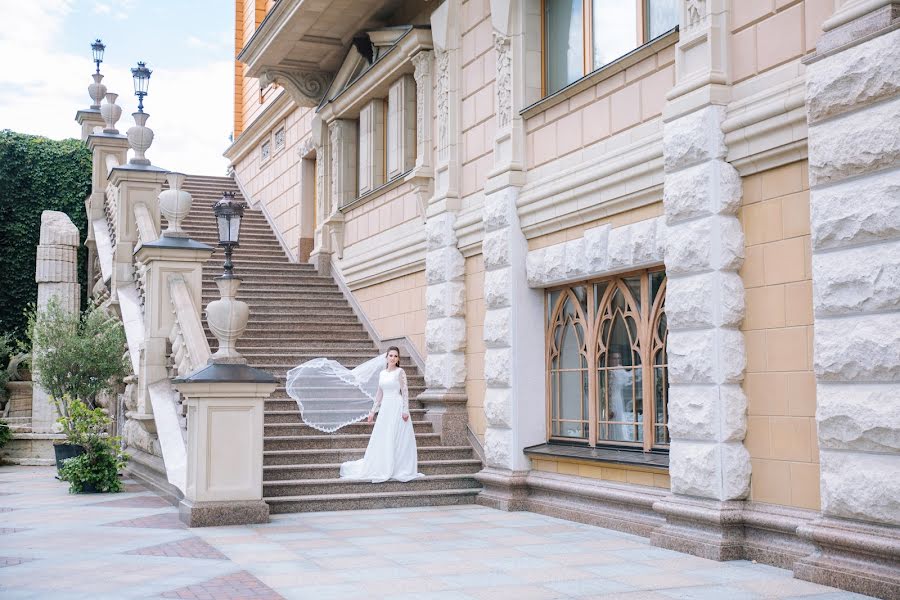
[
  {"x": 166, "y": 520},
  {"x": 236, "y": 586},
  {"x": 135, "y": 502},
  {"x": 192, "y": 547}
]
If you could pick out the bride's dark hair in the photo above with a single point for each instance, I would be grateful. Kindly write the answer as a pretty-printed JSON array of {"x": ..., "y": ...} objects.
[{"x": 395, "y": 349}]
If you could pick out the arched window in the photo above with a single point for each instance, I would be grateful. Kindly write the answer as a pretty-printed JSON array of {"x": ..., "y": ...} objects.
[{"x": 618, "y": 327}]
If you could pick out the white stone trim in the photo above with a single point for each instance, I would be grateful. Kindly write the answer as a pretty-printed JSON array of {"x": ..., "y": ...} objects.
[
  {"x": 401, "y": 126},
  {"x": 371, "y": 147}
]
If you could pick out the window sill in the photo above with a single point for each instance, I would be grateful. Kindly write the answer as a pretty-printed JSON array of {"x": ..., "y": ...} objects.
[
  {"x": 605, "y": 72},
  {"x": 382, "y": 189},
  {"x": 654, "y": 461}
]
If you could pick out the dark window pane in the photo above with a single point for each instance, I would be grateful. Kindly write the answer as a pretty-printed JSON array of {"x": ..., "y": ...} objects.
[
  {"x": 563, "y": 37},
  {"x": 662, "y": 15}
]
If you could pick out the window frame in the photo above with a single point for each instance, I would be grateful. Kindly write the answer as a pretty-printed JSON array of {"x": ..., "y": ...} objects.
[
  {"x": 649, "y": 319},
  {"x": 263, "y": 157},
  {"x": 587, "y": 67}
]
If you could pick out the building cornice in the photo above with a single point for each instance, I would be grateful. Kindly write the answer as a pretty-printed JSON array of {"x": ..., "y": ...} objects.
[{"x": 274, "y": 113}]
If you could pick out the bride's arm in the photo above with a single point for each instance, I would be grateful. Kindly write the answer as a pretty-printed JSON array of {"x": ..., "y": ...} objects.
[
  {"x": 404, "y": 390},
  {"x": 375, "y": 407}
]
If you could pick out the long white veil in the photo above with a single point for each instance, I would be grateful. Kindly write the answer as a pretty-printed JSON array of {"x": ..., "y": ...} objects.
[{"x": 330, "y": 396}]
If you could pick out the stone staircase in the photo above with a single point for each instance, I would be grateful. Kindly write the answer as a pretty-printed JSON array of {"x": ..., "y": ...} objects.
[{"x": 297, "y": 315}]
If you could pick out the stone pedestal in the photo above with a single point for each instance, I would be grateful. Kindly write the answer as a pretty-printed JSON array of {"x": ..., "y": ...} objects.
[
  {"x": 446, "y": 410},
  {"x": 56, "y": 274},
  {"x": 91, "y": 122},
  {"x": 225, "y": 445}
]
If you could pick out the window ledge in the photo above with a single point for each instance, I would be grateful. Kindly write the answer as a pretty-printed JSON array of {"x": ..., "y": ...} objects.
[
  {"x": 603, "y": 73},
  {"x": 655, "y": 461},
  {"x": 371, "y": 195}
]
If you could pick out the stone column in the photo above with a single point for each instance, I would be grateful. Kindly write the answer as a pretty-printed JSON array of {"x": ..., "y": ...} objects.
[
  {"x": 709, "y": 466},
  {"x": 321, "y": 253},
  {"x": 56, "y": 274},
  {"x": 853, "y": 110},
  {"x": 513, "y": 324},
  {"x": 107, "y": 151}
]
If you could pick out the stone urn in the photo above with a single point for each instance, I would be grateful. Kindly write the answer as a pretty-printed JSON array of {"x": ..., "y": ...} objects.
[
  {"x": 111, "y": 113},
  {"x": 97, "y": 90},
  {"x": 175, "y": 204},
  {"x": 227, "y": 318},
  {"x": 140, "y": 138}
]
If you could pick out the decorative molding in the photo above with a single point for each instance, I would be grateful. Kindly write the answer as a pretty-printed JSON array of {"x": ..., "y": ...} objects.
[
  {"x": 250, "y": 138},
  {"x": 307, "y": 88},
  {"x": 306, "y": 146},
  {"x": 696, "y": 12},
  {"x": 442, "y": 89},
  {"x": 503, "y": 51},
  {"x": 422, "y": 63}
]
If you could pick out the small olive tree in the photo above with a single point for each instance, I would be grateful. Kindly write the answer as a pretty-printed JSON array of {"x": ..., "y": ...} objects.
[{"x": 76, "y": 355}]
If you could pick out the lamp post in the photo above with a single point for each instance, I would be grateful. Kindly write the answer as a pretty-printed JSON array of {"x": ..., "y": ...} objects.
[
  {"x": 228, "y": 213},
  {"x": 97, "y": 49},
  {"x": 141, "y": 75}
]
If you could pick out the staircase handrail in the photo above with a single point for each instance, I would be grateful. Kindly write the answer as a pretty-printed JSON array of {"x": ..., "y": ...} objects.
[
  {"x": 190, "y": 347},
  {"x": 146, "y": 227}
]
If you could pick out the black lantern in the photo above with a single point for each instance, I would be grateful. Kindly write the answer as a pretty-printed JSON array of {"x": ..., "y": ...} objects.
[
  {"x": 228, "y": 213},
  {"x": 141, "y": 75},
  {"x": 97, "y": 49}
]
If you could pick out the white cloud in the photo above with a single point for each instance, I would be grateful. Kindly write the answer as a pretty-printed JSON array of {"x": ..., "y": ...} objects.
[{"x": 41, "y": 90}]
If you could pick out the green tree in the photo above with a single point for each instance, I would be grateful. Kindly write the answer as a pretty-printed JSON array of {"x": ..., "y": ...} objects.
[{"x": 36, "y": 174}]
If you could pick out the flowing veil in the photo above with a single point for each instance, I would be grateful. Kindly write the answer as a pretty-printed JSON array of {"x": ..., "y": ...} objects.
[{"x": 331, "y": 396}]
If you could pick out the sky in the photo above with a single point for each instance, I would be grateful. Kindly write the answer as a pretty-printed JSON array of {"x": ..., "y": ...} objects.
[{"x": 46, "y": 66}]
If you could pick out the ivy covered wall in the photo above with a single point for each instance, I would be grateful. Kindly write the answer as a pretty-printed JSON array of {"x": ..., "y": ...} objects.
[{"x": 36, "y": 174}]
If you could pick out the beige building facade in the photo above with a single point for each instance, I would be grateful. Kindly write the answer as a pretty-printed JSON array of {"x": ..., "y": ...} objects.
[{"x": 645, "y": 250}]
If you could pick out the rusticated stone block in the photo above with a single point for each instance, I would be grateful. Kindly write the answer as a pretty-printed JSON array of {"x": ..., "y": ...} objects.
[
  {"x": 445, "y": 264},
  {"x": 708, "y": 413},
  {"x": 634, "y": 245},
  {"x": 498, "y": 407},
  {"x": 854, "y": 144},
  {"x": 445, "y": 300},
  {"x": 865, "y": 279},
  {"x": 497, "y": 288},
  {"x": 445, "y": 335},
  {"x": 705, "y": 244},
  {"x": 694, "y": 138},
  {"x": 710, "y": 470},
  {"x": 862, "y": 486},
  {"x": 706, "y": 356},
  {"x": 498, "y": 367},
  {"x": 499, "y": 209},
  {"x": 596, "y": 244},
  {"x": 705, "y": 300},
  {"x": 497, "y": 328},
  {"x": 863, "y": 418},
  {"x": 440, "y": 231},
  {"x": 446, "y": 371},
  {"x": 856, "y": 212},
  {"x": 495, "y": 248},
  {"x": 858, "y": 76},
  {"x": 863, "y": 348},
  {"x": 498, "y": 446},
  {"x": 712, "y": 187}
]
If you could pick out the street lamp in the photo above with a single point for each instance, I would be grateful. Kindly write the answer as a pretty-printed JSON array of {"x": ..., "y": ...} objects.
[
  {"x": 228, "y": 213},
  {"x": 141, "y": 75},
  {"x": 97, "y": 48}
]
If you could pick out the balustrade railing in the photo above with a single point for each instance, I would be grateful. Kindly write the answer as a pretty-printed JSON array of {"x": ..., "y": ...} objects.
[{"x": 189, "y": 346}]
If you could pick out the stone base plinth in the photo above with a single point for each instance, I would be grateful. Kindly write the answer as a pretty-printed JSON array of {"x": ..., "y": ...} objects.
[
  {"x": 503, "y": 489},
  {"x": 446, "y": 409},
  {"x": 706, "y": 528},
  {"x": 860, "y": 557},
  {"x": 215, "y": 514},
  {"x": 31, "y": 449}
]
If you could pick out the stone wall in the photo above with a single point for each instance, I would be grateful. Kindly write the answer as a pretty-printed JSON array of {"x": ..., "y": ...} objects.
[{"x": 396, "y": 308}]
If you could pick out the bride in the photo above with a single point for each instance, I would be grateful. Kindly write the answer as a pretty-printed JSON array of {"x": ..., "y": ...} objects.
[{"x": 330, "y": 397}]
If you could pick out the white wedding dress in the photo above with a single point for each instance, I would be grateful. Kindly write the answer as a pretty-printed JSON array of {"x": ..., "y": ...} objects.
[{"x": 391, "y": 453}]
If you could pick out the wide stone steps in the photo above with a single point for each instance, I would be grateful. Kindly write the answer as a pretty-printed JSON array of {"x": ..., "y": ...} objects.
[
  {"x": 297, "y": 315},
  {"x": 309, "y": 456},
  {"x": 462, "y": 466},
  {"x": 337, "y": 441},
  {"x": 359, "y": 500}
]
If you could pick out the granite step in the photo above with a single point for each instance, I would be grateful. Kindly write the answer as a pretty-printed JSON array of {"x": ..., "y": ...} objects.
[
  {"x": 361, "y": 428},
  {"x": 272, "y": 416},
  {"x": 308, "y": 487},
  {"x": 310, "y": 456},
  {"x": 371, "y": 500},
  {"x": 334, "y": 442},
  {"x": 463, "y": 466}
]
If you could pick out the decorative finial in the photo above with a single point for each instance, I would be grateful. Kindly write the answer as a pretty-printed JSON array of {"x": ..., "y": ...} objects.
[{"x": 111, "y": 113}]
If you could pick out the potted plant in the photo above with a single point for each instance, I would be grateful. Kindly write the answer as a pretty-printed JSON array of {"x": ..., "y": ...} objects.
[
  {"x": 75, "y": 357},
  {"x": 96, "y": 469}
]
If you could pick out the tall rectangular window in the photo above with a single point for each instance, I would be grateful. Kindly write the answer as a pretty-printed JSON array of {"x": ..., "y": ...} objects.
[
  {"x": 581, "y": 36},
  {"x": 607, "y": 373}
]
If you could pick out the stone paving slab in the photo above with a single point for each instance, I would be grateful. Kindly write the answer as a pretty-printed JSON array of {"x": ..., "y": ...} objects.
[{"x": 132, "y": 546}]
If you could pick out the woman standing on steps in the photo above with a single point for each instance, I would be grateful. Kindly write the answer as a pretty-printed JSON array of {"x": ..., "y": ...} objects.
[{"x": 391, "y": 453}]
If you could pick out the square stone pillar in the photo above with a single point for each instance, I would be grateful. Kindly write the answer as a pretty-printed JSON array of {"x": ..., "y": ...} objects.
[
  {"x": 107, "y": 152},
  {"x": 853, "y": 110},
  {"x": 225, "y": 445},
  {"x": 90, "y": 120}
]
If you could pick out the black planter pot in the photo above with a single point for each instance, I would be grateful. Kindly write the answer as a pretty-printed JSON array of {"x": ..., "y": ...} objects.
[
  {"x": 64, "y": 451},
  {"x": 88, "y": 488}
]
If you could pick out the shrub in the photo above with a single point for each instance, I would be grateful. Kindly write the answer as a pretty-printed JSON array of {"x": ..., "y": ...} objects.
[
  {"x": 36, "y": 174},
  {"x": 5, "y": 433},
  {"x": 77, "y": 356},
  {"x": 98, "y": 468}
]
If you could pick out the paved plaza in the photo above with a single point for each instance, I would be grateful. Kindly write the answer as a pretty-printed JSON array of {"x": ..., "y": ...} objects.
[{"x": 132, "y": 545}]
